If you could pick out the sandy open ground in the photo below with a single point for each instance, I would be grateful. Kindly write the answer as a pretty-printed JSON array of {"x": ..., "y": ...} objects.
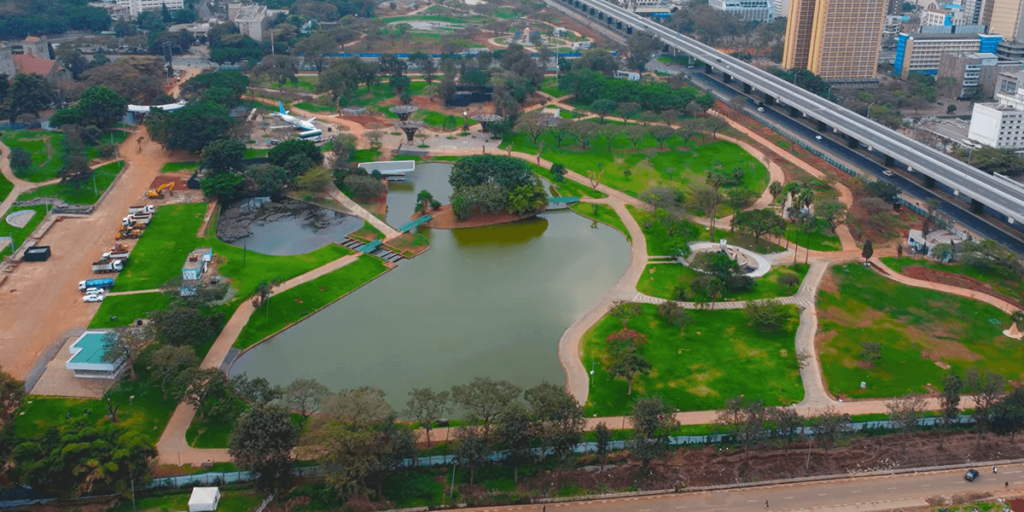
[{"x": 41, "y": 301}]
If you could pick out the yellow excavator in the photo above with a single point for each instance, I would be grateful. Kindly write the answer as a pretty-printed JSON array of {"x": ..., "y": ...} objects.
[{"x": 159, "y": 192}]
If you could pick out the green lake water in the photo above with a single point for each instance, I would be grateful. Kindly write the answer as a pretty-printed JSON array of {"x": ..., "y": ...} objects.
[{"x": 489, "y": 301}]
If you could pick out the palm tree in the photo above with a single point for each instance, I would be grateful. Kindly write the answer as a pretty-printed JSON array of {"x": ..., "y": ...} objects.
[{"x": 715, "y": 289}]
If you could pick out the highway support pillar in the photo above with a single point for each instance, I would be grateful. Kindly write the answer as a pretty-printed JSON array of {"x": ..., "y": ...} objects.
[
  {"x": 618, "y": 25},
  {"x": 769, "y": 99},
  {"x": 629, "y": 30},
  {"x": 977, "y": 207},
  {"x": 609, "y": 20},
  {"x": 888, "y": 161},
  {"x": 666, "y": 50},
  {"x": 793, "y": 112},
  {"x": 708, "y": 68},
  {"x": 851, "y": 142},
  {"x": 727, "y": 78},
  {"x": 600, "y": 16},
  {"x": 747, "y": 89},
  {"x": 593, "y": 11},
  {"x": 821, "y": 126},
  {"x": 929, "y": 182}
]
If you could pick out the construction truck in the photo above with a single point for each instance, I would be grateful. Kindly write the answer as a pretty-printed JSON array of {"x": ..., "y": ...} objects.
[
  {"x": 158, "y": 193},
  {"x": 137, "y": 221},
  {"x": 107, "y": 266},
  {"x": 119, "y": 251},
  {"x": 132, "y": 210},
  {"x": 127, "y": 233}
]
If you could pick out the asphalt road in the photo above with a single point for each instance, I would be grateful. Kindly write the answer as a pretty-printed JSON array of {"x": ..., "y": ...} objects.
[
  {"x": 830, "y": 144},
  {"x": 861, "y": 494}
]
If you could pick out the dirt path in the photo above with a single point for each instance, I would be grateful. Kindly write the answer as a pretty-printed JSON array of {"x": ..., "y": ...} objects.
[
  {"x": 172, "y": 446},
  {"x": 1003, "y": 305},
  {"x": 40, "y": 301}
]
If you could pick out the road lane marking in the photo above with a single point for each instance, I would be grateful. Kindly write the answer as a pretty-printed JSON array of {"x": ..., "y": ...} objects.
[
  {"x": 788, "y": 498},
  {"x": 752, "y": 501},
  {"x": 855, "y": 491},
  {"x": 926, "y": 485},
  {"x": 823, "y": 494},
  {"x": 890, "y": 488}
]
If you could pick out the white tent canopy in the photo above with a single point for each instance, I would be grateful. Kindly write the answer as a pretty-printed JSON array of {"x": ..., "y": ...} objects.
[{"x": 204, "y": 499}]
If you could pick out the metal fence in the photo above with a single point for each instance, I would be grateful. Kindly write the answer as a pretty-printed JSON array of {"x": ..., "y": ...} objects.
[{"x": 219, "y": 478}]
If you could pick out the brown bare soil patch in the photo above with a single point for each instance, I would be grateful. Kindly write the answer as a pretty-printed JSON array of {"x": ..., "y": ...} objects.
[
  {"x": 959, "y": 280},
  {"x": 367, "y": 121},
  {"x": 939, "y": 344},
  {"x": 444, "y": 218},
  {"x": 828, "y": 284}
]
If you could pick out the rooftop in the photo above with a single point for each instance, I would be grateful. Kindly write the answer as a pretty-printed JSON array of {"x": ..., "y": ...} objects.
[
  {"x": 251, "y": 12},
  {"x": 89, "y": 348},
  {"x": 195, "y": 258},
  {"x": 29, "y": 64}
]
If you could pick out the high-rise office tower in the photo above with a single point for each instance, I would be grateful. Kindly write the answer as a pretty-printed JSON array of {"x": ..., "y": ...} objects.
[{"x": 837, "y": 40}]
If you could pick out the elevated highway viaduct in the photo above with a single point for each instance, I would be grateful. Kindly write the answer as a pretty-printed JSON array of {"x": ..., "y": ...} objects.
[{"x": 998, "y": 199}]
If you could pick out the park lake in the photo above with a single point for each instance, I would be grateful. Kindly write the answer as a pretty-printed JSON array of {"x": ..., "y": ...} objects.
[{"x": 490, "y": 301}]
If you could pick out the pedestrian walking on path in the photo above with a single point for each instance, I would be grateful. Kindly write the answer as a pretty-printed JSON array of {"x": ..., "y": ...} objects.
[{"x": 765, "y": 503}]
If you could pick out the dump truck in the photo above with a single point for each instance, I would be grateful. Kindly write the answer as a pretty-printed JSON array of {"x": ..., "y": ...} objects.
[
  {"x": 136, "y": 220},
  {"x": 107, "y": 266},
  {"x": 132, "y": 210},
  {"x": 105, "y": 283},
  {"x": 114, "y": 255}
]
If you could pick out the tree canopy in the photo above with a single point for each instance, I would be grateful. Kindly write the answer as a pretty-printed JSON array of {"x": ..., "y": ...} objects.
[{"x": 191, "y": 127}]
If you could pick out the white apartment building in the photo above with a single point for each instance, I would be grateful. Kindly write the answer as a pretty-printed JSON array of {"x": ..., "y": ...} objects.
[
  {"x": 139, "y": 6},
  {"x": 251, "y": 19},
  {"x": 748, "y": 10},
  {"x": 1001, "y": 124}
]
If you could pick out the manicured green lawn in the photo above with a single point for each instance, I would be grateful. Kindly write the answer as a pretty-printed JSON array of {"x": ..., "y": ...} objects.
[
  {"x": 85, "y": 194},
  {"x": 655, "y": 233},
  {"x": 45, "y": 162},
  {"x": 365, "y": 155},
  {"x": 256, "y": 153},
  {"x": 127, "y": 308},
  {"x": 568, "y": 187},
  {"x": 5, "y": 188},
  {"x": 293, "y": 305},
  {"x": 550, "y": 86},
  {"x": 668, "y": 59},
  {"x": 822, "y": 240},
  {"x": 1007, "y": 285},
  {"x": 147, "y": 413},
  {"x": 602, "y": 213},
  {"x": 180, "y": 166},
  {"x": 314, "y": 107},
  {"x": 209, "y": 434},
  {"x": 172, "y": 235},
  {"x": 661, "y": 280},
  {"x": 19, "y": 235},
  {"x": 716, "y": 357},
  {"x": 109, "y": 137},
  {"x": 917, "y": 329},
  {"x": 378, "y": 93},
  {"x": 230, "y": 501},
  {"x": 648, "y": 165},
  {"x": 305, "y": 83}
]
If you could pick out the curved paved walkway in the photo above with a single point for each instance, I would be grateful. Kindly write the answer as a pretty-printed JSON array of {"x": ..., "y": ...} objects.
[
  {"x": 173, "y": 448},
  {"x": 20, "y": 186}
]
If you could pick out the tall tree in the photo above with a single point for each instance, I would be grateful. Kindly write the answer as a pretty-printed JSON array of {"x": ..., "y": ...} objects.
[
  {"x": 471, "y": 449},
  {"x": 101, "y": 106},
  {"x": 485, "y": 399},
  {"x": 653, "y": 422},
  {"x": 262, "y": 442},
  {"x": 315, "y": 48},
  {"x": 427, "y": 406},
  {"x": 829, "y": 427},
  {"x": 127, "y": 343},
  {"x": 305, "y": 396},
  {"x": 559, "y": 417},
  {"x": 278, "y": 68},
  {"x": 641, "y": 46},
  {"x": 200, "y": 387},
  {"x": 224, "y": 156},
  {"x": 602, "y": 108},
  {"x": 516, "y": 434},
  {"x": 949, "y": 401},
  {"x": 169, "y": 362},
  {"x": 903, "y": 414},
  {"x": 988, "y": 388},
  {"x": 30, "y": 94}
]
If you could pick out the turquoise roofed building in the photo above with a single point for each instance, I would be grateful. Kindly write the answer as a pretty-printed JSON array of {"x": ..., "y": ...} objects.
[
  {"x": 88, "y": 357},
  {"x": 192, "y": 271}
]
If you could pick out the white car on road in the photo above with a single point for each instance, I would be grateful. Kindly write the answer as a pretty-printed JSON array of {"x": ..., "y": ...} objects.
[{"x": 93, "y": 297}]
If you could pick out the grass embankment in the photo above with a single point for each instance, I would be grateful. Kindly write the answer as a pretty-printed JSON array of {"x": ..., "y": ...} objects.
[
  {"x": 550, "y": 86},
  {"x": 180, "y": 166},
  {"x": 680, "y": 164},
  {"x": 566, "y": 187},
  {"x": 304, "y": 83},
  {"x": 291, "y": 306},
  {"x": 658, "y": 240},
  {"x": 47, "y": 150},
  {"x": 122, "y": 310},
  {"x": 256, "y": 153},
  {"x": 918, "y": 329},
  {"x": 716, "y": 357},
  {"x": 19, "y": 235},
  {"x": 230, "y": 501},
  {"x": 602, "y": 213},
  {"x": 172, "y": 235},
  {"x": 660, "y": 280},
  {"x": 5, "y": 188},
  {"x": 315, "y": 107},
  {"x": 376, "y": 94},
  {"x": 147, "y": 413},
  {"x": 1011, "y": 286},
  {"x": 84, "y": 194}
]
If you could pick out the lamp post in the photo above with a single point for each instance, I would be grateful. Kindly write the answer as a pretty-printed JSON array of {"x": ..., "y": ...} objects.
[{"x": 465, "y": 120}]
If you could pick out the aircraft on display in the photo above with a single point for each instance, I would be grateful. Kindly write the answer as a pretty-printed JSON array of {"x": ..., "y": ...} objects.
[{"x": 297, "y": 123}]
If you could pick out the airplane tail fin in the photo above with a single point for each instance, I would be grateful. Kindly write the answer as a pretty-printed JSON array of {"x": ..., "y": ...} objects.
[{"x": 280, "y": 107}]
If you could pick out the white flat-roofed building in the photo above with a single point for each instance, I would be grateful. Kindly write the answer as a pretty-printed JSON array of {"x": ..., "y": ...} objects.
[{"x": 748, "y": 10}]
